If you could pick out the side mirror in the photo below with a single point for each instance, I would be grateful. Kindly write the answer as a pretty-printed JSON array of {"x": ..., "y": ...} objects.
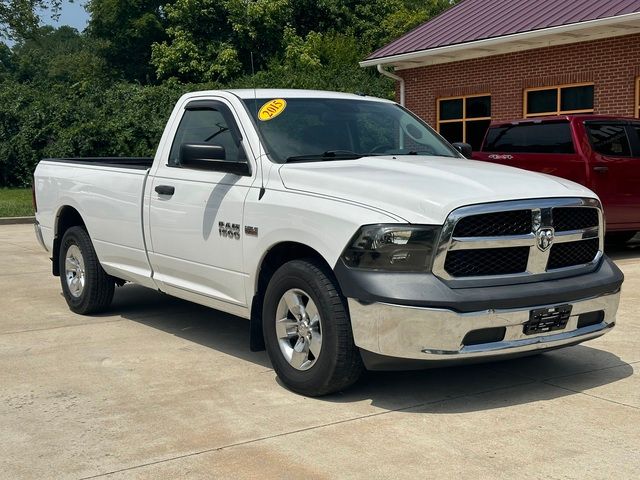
[
  {"x": 211, "y": 157},
  {"x": 464, "y": 148}
]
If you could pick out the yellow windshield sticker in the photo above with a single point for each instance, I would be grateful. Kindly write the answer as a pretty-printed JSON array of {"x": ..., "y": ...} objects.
[{"x": 272, "y": 109}]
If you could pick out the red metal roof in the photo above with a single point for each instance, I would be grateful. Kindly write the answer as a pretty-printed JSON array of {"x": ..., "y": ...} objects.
[{"x": 472, "y": 20}]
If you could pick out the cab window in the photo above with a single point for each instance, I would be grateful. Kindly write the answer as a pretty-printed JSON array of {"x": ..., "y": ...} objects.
[
  {"x": 551, "y": 137},
  {"x": 206, "y": 126},
  {"x": 609, "y": 139}
]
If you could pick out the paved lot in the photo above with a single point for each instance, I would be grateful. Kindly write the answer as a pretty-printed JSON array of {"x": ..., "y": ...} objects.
[{"x": 160, "y": 388}]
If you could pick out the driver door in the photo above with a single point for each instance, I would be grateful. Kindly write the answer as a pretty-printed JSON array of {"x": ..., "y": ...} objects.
[{"x": 195, "y": 214}]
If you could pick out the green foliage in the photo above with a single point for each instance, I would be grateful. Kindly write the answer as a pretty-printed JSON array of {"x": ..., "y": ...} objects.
[
  {"x": 124, "y": 31},
  {"x": 79, "y": 120},
  {"x": 15, "y": 202},
  {"x": 20, "y": 18},
  {"x": 319, "y": 62},
  {"x": 212, "y": 40},
  {"x": 58, "y": 56},
  {"x": 98, "y": 93}
]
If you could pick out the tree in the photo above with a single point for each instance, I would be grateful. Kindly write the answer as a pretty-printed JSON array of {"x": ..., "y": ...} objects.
[
  {"x": 7, "y": 66},
  {"x": 213, "y": 40},
  {"x": 126, "y": 29},
  {"x": 20, "y": 18},
  {"x": 58, "y": 56}
]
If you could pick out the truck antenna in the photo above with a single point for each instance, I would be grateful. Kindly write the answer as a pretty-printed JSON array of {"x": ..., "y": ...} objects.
[{"x": 255, "y": 106}]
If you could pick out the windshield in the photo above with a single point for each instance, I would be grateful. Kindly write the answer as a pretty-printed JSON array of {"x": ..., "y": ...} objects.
[{"x": 310, "y": 129}]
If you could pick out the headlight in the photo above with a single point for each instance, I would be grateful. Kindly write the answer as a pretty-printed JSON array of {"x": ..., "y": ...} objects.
[{"x": 399, "y": 248}]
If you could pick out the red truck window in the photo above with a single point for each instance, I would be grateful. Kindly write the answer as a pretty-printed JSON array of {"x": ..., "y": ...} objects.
[
  {"x": 552, "y": 137},
  {"x": 609, "y": 139}
]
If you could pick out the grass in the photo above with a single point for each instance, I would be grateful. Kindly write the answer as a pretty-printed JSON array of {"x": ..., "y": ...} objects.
[{"x": 15, "y": 202}]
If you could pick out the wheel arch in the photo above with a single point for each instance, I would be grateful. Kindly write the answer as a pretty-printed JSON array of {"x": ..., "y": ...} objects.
[
  {"x": 276, "y": 256},
  {"x": 66, "y": 218}
]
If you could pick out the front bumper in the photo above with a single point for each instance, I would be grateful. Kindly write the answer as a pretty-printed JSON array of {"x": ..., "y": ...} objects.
[{"x": 436, "y": 334}]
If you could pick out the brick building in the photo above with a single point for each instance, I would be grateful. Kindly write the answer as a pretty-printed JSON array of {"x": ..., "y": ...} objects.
[{"x": 484, "y": 60}]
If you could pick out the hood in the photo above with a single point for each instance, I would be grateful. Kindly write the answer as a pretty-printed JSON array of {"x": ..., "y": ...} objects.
[{"x": 421, "y": 189}]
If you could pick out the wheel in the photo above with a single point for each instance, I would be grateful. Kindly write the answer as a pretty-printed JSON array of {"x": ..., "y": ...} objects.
[
  {"x": 619, "y": 238},
  {"x": 86, "y": 286},
  {"x": 307, "y": 330}
]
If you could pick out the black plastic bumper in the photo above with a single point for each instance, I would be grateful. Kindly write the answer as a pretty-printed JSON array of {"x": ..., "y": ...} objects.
[{"x": 426, "y": 290}]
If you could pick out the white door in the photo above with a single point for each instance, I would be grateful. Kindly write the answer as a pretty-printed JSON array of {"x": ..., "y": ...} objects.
[{"x": 195, "y": 214}]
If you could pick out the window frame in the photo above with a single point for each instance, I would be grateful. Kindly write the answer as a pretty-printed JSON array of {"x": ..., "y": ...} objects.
[
  {"x": 626, "y": 126},
  {"x": 464, "y": 118},
  {"x": 535, "y": 124},
  {"x": 558, "y": 110},
  {"x": 227, "y": 114},
  {"x": 637, "y": 105}
]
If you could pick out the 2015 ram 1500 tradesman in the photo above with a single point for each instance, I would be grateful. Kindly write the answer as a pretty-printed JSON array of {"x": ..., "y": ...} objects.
[{"x": 347, "y": 231}]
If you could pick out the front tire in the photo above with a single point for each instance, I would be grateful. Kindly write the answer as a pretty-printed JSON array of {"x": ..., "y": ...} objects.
[
  {"x": 307, "y": 330},
  {"x": 86, "y": 286}
]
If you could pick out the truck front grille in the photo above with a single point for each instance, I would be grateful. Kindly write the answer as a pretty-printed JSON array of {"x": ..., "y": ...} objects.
[
  {"x": 527, "y": 239},
  {"x": 487, "y": 261},
  {"x": 516, "y": 222},
  {"x": 565, "y": 219},
  {"x": 572, "y": 253}
]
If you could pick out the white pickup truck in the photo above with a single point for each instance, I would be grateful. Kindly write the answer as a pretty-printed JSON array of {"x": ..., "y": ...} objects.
[{"x": 349, "y": 233}]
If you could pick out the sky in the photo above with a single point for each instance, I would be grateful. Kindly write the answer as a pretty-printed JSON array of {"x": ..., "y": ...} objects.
[{"x": 72, "y": 14}]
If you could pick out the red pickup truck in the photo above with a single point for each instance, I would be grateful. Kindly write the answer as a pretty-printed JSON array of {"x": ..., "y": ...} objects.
[{"x": 600, "y": 152}]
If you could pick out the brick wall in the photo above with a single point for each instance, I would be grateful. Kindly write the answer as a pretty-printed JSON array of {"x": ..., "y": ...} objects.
[{"x": 611, "y": 64}]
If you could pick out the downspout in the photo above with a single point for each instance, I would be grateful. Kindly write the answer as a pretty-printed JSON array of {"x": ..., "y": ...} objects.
[{"x": 395, "y": 77}]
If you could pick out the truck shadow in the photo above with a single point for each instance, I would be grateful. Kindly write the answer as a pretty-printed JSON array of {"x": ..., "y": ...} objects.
[
  {"x": 629, "y": 250},
  {"x": 211, "y": 328},
  {"x": 443, "y": 390},
  {"x": 481, "y": 387}
]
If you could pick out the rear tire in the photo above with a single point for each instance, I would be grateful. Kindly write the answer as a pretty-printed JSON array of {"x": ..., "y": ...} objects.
[
  {"x": 310, "y": 344},
  {"x": 618, "y": 238},
  {"x": 86, "y": 286}
]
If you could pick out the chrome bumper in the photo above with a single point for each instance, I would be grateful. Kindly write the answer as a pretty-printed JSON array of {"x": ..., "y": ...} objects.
[
  {"x": 39, "y": 237},
  {"x": 437, "y": 334}
]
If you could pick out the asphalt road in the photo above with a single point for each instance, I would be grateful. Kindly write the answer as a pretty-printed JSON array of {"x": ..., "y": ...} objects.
[{"x": 160, "y": 388}]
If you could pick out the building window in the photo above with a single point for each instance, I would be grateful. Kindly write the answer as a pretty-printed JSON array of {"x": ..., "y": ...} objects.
[
  {"x": 558, "y": 100},
  {"x": 464, "y": 119},
  {"x": 638, "y": 97}
]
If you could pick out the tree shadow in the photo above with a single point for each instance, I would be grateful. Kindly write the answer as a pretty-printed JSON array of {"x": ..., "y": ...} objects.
[{"x": 438, "y": 390}]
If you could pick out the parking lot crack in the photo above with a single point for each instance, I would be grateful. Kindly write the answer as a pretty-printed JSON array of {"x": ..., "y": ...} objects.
[
  {"x": 301, "y": 430},
  {"x": 60, "y": 326},
  {"x": 593, "y": 396}
]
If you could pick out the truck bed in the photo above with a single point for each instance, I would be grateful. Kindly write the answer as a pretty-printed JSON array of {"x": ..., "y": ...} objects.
[{"x": 138, "y": 163}]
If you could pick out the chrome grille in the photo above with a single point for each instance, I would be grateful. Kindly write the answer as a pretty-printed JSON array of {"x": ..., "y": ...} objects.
[
  {"x": 508, "y": 242},
  {"x": 565, "y": 218},
  {"x": 516, "y": 222},
  {"x": 487, "y": 261},
  {"x": 572, "y": 253}
]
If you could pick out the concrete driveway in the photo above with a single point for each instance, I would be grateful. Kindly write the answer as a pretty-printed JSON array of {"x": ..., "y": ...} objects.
[{"x": 160, "y": 388}]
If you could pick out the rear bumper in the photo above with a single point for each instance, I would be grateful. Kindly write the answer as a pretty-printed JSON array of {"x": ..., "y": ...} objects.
[
  {"x": 39, "y": 237},
  {"x": 433, "y": 334}
]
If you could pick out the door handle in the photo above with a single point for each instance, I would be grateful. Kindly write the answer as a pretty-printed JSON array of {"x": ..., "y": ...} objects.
[
  {"x": 165, "y": 189},
  {"x": 601, "y": 169}
]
